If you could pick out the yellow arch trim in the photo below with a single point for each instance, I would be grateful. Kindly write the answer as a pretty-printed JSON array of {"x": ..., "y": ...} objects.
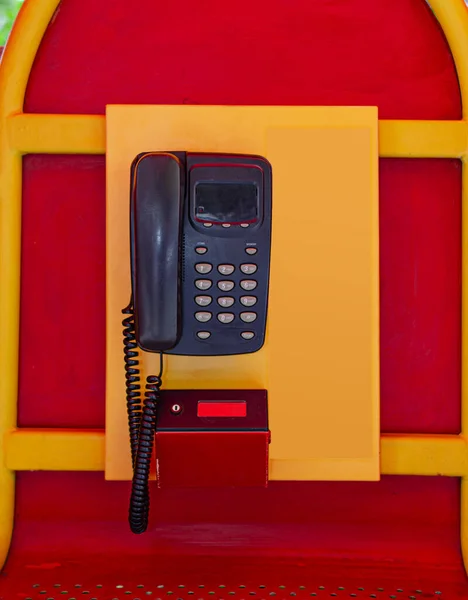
[
  {"x": 21, "y": 133},
  {"x": 16, "y": 65}
]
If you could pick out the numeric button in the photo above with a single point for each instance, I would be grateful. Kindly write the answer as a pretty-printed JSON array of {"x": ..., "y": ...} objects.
[
  {"x": 248, "y": 317},
  {"x": 248, "y": 268},
  {"x": 225, "y": 318},
  {"x": 203, "y": 268},
  {"x": 247, "y": 335},
  {"x": 248, "y": 284},
  {"x": 248, "y": 300},
  {"x": 203, "y": 316},
  {"x": 203, "y": 284},
  {"x": 203, "y": 335},
  {"x": 226, "y": 301},
  {"x": 226, "y": 286},
  {"x": 226, "y": 269},
  {"x": 203, "y": 300}
]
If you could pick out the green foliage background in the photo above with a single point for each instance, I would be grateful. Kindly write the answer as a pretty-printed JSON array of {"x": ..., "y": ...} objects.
[{"x": 8, "y": 11}]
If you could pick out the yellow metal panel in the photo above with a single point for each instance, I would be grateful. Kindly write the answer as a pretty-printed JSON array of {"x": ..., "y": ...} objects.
[
  {"x": 323, "y": 355},
  {"x": 55, "y": 450},
  {"x": 320, "y": 364},
  {"x": 86, "y": 134}
]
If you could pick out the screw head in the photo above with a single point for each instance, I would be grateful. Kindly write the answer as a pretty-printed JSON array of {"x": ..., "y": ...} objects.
[{"x": 176, "y": 409}]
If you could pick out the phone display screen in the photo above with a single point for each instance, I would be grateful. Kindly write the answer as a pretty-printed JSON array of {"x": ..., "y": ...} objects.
[{"x": 226, "y": 202}]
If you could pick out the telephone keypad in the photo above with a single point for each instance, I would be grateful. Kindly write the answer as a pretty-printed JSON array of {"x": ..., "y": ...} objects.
[
  {"x": 248, "y": 300},
  {"x": 226, "y": 286},
  {"x": 248, "y": 317},
  {"x": 203, "y": 300},
  {"x": 203, "y": 268},
  {"x": 248, "y": 269},
  {"x": 203, "y": 316},
  {"x": 203, "y": 284},
  {"x": 247, "y": 335},
  {"x": 248, "y": 284},
  {"x": 226, "y": 318},
  {"x": 226, "y": 269},
  {"x": 226, "y": 301}
]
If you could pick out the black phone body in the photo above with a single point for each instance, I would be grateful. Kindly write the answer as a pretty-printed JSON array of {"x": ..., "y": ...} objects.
[{"x": 200, "y": 227}]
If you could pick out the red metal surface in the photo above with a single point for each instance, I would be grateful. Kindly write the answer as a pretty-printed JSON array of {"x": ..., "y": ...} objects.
[
  {"x": 404, "y": 530},
  {"x": 211, "y": 459},
  {"x": 70, "y": 530},
  {"x": 70, "y": 527},
  {"x": 385, "y": 53},
  {"x": 215, "y": 578}
]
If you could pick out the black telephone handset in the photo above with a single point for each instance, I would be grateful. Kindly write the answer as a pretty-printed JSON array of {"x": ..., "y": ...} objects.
[
  {"x": 200, "y": 230},
  {"x": 156, "y": 225}
]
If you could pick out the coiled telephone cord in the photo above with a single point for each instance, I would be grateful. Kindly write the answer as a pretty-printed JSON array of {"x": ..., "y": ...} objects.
[{"x": 141, "y": 423}]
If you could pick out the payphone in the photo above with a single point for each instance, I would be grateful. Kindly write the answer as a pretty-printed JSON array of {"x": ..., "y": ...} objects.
[{"x": 200, "y": 233}]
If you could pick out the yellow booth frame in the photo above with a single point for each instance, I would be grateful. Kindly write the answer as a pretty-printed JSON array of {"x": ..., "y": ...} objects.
[{"x": 22, "y": 133}]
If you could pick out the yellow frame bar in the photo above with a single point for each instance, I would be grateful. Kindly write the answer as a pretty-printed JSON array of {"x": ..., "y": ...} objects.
[
  {"x": 86, "y": 134},
  {"x": 75, "y": 450},
  {"x": 54, "y": 450},
  {"x": 20, "y": 134}
]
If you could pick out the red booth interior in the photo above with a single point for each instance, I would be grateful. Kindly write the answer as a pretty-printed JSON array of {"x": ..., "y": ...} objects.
[{"x": 396, "y": 538}]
